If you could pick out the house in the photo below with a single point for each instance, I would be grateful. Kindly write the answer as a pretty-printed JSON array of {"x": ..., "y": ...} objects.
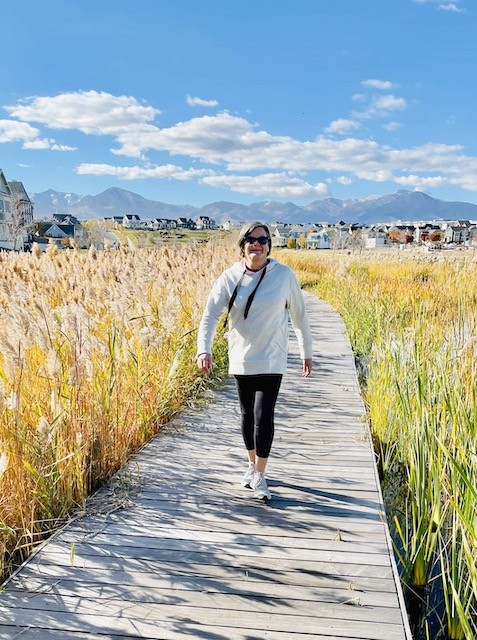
[
  {"x": 132, "y": 221},
  {"x": 472, "y": 237},
  {"x": 65, "y": 218},
  {"x": 16, "y": 214},
  {"x": 280, "y": 234},
  {"x": 231, "y": 225},
  {"x": 318, "y": 240},
  {"x": 46, "y": 232},
  {"x": 204, "y": 222},
  {"x": 375, "y": 237},
  {"x": 184, "y": 223},
  {"x": 114, "y": 219},
  {"x": 161, "y": 223},
  {"x": 456, "y": 234}
]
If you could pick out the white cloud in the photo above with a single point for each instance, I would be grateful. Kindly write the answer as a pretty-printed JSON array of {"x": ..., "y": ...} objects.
[
  {"x": 344, "y": 180},
  {"x": 39, "y": 143},
  {"x": 91, "y": 112},
  {"x": 239, "y": 146},
  {"x": 392, "y": 126},
  {"x": 199, "y": 102},
  {"x": 420, "y": 183},
  {"x": 278, "y": 185},
  {"x": 62, "y": 147},
  {"x": 381, "y": 106},
  {"x": 210, "y": 138},
  {"x": 386, "y": 85},
  {"x": 445, "y": 6},
  {"x": 47, "y": 143},
  {"x": 451, "y": 7},
  {"x": 136, "y": 173},
  {"x": 389, "y": 103},
  {"x": 12, "y": 130},
  {"x": 342, "y": 125}
]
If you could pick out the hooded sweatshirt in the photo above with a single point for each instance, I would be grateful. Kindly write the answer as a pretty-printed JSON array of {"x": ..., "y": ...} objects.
[{"x": 258, "y": 344}]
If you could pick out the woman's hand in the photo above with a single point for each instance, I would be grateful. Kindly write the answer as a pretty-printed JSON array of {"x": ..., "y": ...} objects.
[
  {"x": 307, "y": 367},
  {"x": 204, "y": 362}
]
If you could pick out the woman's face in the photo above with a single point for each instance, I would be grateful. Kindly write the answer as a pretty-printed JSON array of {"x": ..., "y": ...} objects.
[{"x": 256, "y": 253}]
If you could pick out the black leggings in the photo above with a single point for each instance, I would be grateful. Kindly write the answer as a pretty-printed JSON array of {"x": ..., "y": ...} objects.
[{"x": 257, "y": 396}]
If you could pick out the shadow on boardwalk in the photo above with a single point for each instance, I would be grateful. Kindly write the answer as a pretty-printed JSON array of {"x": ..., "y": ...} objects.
[{"x": 174, "y": 547}]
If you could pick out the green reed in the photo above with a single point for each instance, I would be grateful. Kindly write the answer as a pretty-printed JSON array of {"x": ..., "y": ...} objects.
[{"x": 412, "y": 324}]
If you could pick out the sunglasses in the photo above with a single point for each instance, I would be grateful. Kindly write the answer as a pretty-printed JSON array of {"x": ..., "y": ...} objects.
[{"x": 260, "y": 240}]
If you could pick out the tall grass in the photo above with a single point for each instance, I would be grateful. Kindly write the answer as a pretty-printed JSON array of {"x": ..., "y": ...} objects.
[
  {"x": 96, "y": 353},
  {"x": 412, "y": 323}
]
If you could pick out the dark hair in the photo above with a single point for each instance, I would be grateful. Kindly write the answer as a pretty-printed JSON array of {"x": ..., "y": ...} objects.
[{"x": 247, "y": 229}]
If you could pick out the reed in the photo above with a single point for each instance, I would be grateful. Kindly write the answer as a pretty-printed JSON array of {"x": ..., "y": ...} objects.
[
  {"x": 96, "y": 353},
  {"x": 412, "y": 323}
]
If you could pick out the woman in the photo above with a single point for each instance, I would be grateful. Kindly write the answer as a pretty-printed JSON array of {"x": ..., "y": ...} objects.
[{"x": 258, "y": 294}]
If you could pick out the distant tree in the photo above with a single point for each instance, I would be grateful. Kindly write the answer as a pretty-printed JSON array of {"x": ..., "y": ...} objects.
[
  {"x": 339, "y": 238},
  {"x": 302, "y": 241},
  {"x": 94, "y": 234},
  {"x": 356, "y": 241},
  {"x": 291, "y": 243},
  {"x": 436, "y": 236},
  {"x": 18, "y": 228},
  {"x": 401, "y": 236}
]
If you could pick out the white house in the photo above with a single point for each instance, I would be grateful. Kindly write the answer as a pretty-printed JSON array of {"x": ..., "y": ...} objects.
[
  {"x": 132, "y": 221},
  {"x": 231, "y": 225},
  {"x": 280, "y": 234},
  {"x": 318, "y": 240},
  {"x": 376, "y": 237},
  {"x": 204, "y": 222}
]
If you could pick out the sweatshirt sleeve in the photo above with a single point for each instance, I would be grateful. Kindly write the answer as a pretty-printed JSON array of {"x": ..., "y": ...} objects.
[
  {"x": 214, "y": 308},
  {"x": 299, "y": 319}
]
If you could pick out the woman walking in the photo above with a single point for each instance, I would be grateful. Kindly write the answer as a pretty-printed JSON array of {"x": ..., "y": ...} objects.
[{"x": 259, "y": 294}]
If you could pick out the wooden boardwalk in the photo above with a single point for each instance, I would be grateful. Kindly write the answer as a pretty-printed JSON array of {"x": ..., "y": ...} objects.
[{"x": 175, "y": 548}]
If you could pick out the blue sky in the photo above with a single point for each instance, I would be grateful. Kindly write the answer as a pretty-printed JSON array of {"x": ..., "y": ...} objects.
[{"x": 193, "y": 102}]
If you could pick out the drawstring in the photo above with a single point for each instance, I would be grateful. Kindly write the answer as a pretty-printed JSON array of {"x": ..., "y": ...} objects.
[{"x": 250, "y": 298}]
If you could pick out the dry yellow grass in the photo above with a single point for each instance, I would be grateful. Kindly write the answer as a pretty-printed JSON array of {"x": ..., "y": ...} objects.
[{"x": 96, "y": 353}]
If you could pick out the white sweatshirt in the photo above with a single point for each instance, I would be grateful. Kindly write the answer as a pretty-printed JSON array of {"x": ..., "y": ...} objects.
[{"x": 258, "y": 343}]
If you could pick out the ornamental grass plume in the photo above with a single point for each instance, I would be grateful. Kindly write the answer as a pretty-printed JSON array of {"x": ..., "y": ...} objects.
[{"x": 95, "y": 355}]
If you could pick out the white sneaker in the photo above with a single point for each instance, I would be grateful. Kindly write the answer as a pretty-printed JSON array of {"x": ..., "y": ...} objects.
[
  {"x": 259, "y": 485},
  {"x": 248, "y": 476}
]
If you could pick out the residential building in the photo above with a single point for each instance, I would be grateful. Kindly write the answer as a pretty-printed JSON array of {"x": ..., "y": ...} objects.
[
  {"x": 204, "y": 222},
  {"x": 16, "y": 215},
  {"x": 185, "y": 223},
  {"x": 132, "y": 221},
  {"x": 318, "y": 240}
]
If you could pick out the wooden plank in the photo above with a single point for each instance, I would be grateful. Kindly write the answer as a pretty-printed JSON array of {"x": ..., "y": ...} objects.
[
  {"x": 168, "y": 574},
  {"x": 154, "y": 546},
  {"x": 176, "y": 548},
  {"x": 122, "y": 535},
  {"x": 348, "y": 620},
  {"x": 137, "y": 521},
  {"x": 88, "y": 556},
  {"x": 201, "y": 592}
]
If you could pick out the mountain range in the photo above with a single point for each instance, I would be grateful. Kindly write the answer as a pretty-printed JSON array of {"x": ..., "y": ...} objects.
[{"x": 402, "y": 205}]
